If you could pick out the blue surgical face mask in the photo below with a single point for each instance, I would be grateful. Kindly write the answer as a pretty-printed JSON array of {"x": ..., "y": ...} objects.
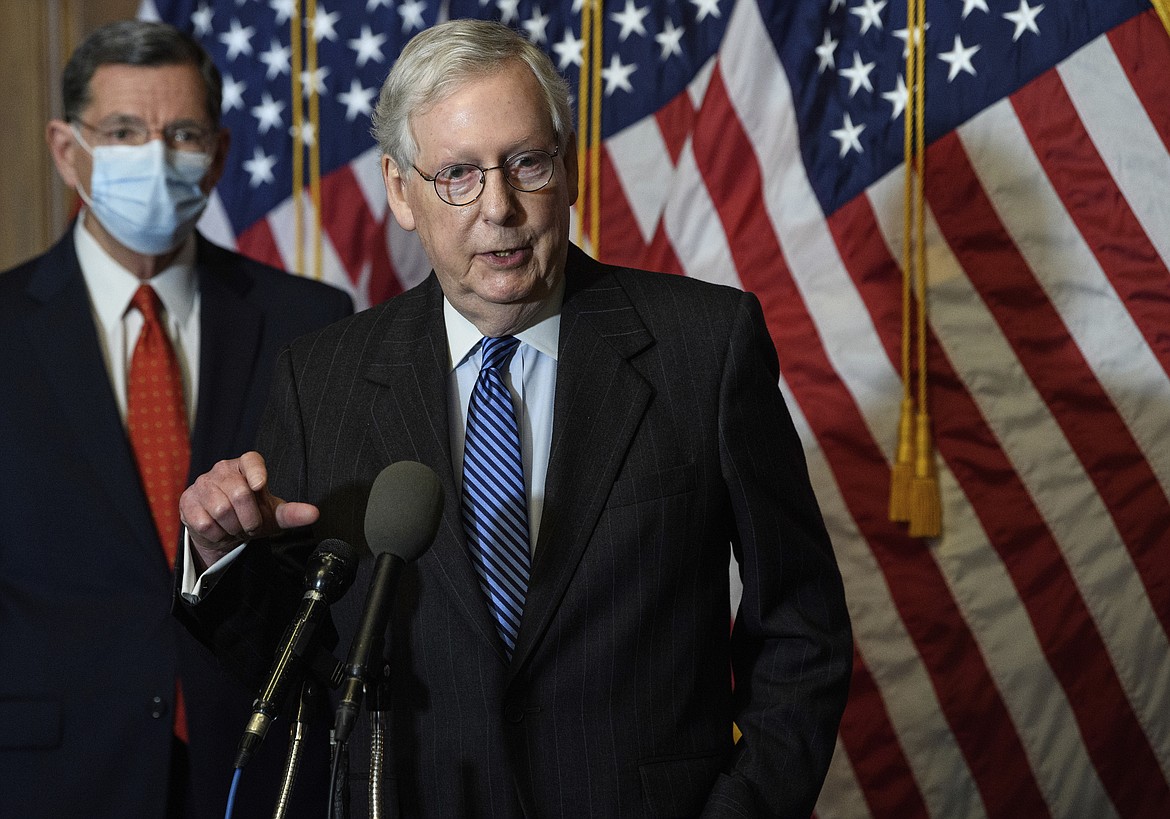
[{"x": 147, "y": 196}]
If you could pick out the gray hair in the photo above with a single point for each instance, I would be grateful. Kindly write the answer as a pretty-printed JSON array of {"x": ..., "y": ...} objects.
[
  {"x": 140, "y": 43},
  {"x": 439, "y": 60}
]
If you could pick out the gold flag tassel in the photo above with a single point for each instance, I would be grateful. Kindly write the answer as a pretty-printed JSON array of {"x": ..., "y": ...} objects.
[
  {"x": 589, "y": 124},
  {"x": 298, "y": 136},
  {"x": 315, "y": 143},
  {"x": 902, "y": 473},
  {"x": 914, "y": 495},
  {"x": 925, "y": 503}
]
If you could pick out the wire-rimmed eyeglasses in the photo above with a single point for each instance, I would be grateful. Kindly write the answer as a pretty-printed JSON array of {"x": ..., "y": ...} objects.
[
  {"x": 462, "y": 183},
  {"x": 179, "y": 136}
]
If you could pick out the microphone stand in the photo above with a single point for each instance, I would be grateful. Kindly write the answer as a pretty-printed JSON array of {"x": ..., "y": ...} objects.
[
  {"x": 376, "y": 702},
  {"x": 297, "y": 734}
]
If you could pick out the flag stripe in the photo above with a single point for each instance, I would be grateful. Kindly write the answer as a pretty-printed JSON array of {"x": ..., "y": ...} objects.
[{"x": 728, "y": 154}]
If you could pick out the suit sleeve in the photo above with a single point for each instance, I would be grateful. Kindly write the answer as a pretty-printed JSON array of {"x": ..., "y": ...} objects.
[
  {"x": 791, "y": 640},
  {"x": 243, "y": 618}
]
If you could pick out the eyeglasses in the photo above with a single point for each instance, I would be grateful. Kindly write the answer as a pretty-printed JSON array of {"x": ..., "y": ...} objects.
[
  {"x": 179, "y": 136},
  {"x": 463, "y": 183}
]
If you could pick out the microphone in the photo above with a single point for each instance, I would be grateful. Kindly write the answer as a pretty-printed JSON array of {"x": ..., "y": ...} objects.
[
  {"x": 330, "y": 572},
  {"x": 402, "y": 517}
]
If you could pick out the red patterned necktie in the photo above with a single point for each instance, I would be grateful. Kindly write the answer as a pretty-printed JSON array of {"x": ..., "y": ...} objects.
[{"x": 157, "y": 419}]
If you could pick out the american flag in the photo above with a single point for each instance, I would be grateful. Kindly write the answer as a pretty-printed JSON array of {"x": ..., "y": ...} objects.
[{"x": 1017, "y": 665}]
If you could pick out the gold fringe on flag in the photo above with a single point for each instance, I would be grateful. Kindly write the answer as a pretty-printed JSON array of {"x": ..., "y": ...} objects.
[
  {"x": 589, "y": 122},
  {"x": 914, "y": 493},
  {"x": 1163, "y": 9}
]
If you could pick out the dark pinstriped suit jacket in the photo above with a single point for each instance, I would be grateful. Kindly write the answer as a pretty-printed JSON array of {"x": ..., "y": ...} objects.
[{"x": 671, "y": 441}]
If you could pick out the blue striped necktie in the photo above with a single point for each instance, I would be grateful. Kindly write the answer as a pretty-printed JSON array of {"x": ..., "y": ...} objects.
[{"x": 495, "y": 505}]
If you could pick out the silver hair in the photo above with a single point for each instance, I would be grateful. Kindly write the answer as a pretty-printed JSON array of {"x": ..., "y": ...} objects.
[{"x": 439, "y": 60}]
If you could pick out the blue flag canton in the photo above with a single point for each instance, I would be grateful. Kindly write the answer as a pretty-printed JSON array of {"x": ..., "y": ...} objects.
[
  {"x": 651, "y": 49},
  {"x": 356, "y": 43},
  {"x": 846, "y": 63}
]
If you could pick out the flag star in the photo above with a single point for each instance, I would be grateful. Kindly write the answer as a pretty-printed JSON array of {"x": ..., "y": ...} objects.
[
  {"x": 1025, "y": 19},
  {"x": 903, "y": 34},
  {"x": 706, "y": 7},
  {"x": 357, "y": 100},
  {"x": 577, "y": 5},
  {"x": 233, "y": 94},
  {"x": 307, "y": 132},
  {"x": 267, "y": 113},
  {"x": 617, "y": 76},
  {"x": 630, "y": 19},
  {"x": 847, "y": 135},
  {"x": 411, "y": 14},
  {"x": 277, "y": 59},
  {"x": 283, "y": 9},
  {"x": 323, "y": 25},
  {"x": 238, "y": 40},
  {"x": 536, "y": 25},
  {"x": 825, "y": 51},
  {"x": 970, "y": 5},
  {"x": 368, "y": 46},
  {"x": 959, "y": 59},
  {"x": 201, "y": 19},
  {"x": 568, "y": 50},
  {"x": 314, "y": 81},
  {"x": 898, "y": 97},
  {"x": 836, "y": 4},
  {"x": 868, "y": 12},
  {"x": 858, "y": 74},
  {"x": 509, "y": 10},
  {"x": 373, "y": 4},
  {"x": 670, "y": 39},
  {"x": 259, "y": 168}
]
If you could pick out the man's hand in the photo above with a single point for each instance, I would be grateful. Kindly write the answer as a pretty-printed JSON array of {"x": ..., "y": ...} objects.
[{"x": 231, "y": 504}]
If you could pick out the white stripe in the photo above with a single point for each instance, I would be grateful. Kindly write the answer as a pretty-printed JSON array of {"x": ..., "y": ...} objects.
[
  {"x": 763, "y": 101},
  {"x": 642, "y": 163},
  {"x": 1123, "y": 134},
  {"x": 1007, "y": 166},
  {"x": 842, "y": 796},
  {"x": 935, "y": 760}
]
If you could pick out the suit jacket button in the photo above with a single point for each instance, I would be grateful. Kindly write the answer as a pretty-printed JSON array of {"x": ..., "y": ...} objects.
[
  {"x": 513, "y": 713},
  {"x": 158, "y": 707}
]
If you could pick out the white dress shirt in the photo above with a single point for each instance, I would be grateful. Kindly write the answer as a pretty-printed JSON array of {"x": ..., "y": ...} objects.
[
  {"x": 111, "y": 287},
  {"x": 532, "y": 379}
]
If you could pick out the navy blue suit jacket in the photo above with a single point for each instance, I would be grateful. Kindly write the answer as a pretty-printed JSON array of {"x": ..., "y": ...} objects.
[
  {"x": 88, "y": 648},
  {"x": 671, "y": 446}
]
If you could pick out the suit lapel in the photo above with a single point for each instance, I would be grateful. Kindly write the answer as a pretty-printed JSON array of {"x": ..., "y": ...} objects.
[
  {"x": 408, "y": 374},
  {"x": 63, "y": 333},
  {"x": 600, "y": 400},
  {"x": 230, "y": 333}
]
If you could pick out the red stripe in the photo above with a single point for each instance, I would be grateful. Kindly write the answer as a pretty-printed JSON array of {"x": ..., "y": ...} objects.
[
  {"x": 966, "y": 690},
  {"x": 1064, "y": 627},
  {"x": 1098, "y": 207},
  {"x": 358, "y": 237},
  {"x": 676, "y": 120},
  {"x": 621, "y": 239},
  {"x": 1055, "y": 365},
  {"x": 258, "y": 242},
  {"x": 1143, "y": 49},
  {"x": 874, "y": 751}
]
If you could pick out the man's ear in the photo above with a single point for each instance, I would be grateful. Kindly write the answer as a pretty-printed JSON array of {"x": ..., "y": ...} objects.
[
  {"x": 570, "y": 160},
  {"x": 64, "y": 149},
  {"x": 396, "y": 193}
]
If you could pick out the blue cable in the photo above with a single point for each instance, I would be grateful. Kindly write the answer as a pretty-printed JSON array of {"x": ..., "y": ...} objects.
[{"x": 231, "y": 803}]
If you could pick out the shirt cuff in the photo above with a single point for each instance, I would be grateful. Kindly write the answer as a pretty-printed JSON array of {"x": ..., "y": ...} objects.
[{"x": 195, "y": 586}]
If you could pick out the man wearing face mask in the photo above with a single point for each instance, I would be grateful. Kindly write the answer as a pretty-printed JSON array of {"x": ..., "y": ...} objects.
[{"x": 133, "y": 354}]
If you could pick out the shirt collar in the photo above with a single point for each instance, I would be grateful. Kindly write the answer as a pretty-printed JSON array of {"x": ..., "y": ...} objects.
[
  {"x": 543, "y": 335},
  {"x": 111, "y": 286}
]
